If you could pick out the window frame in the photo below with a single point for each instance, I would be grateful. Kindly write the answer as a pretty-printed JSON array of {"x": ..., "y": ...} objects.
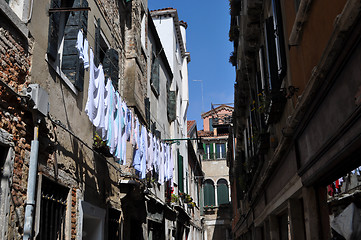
[
  {"x": 220, "y": 195},
  {"x": 208, "y": 202},
  {"x": 57, "y": 63},
  {"x": 5, "y": 181}
]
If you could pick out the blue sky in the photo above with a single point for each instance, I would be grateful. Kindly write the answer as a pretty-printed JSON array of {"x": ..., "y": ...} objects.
[{"x": 207, "y": 42}]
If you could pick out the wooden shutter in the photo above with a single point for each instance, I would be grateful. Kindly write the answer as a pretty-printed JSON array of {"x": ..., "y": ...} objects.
[
  {"x": 72, "y": 66},
  {"x": 97, "y": 43},
  {"x": 209, "y": 199},
  {"x": 147, "y": 110},
  {"x": 222, "y": 193},
  {"x": 154, "y": 78},
  {"x": 180, "y": 173},
  {"x": 54, "y": 25},
  {"x": 111, "y": 66},
  {"x": 171, "y": 106},
  {"x": 211, "y": 151},
  {"x": 274, "y": 82}
]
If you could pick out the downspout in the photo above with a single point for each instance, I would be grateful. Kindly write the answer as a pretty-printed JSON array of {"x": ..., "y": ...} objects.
[{"x": 33, "y": 169}]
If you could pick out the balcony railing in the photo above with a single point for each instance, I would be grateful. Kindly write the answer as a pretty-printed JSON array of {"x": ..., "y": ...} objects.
[{"x": 214, "y": 156}]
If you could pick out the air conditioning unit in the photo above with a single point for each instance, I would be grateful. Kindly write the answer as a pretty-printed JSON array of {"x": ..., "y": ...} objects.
[{"x": 40, "y": 98}]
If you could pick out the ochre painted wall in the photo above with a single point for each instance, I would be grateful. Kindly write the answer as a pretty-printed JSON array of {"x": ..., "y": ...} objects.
[{"x": 316, "y": 32}]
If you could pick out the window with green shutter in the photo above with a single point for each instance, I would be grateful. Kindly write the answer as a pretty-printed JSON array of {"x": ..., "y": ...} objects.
[
  {"x": 64, "y": 28},
  {"x": 180, "y": 173},
  {"x": 111, "y": 66},
  {"x": 222, "y": 192},
  {"x": 208, "y": 190},
  {"x": 154, "y": 75},
  {"x": 171, "y": 106}
]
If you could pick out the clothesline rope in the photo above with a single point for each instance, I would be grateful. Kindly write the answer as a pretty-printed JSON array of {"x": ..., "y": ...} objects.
[
  {"x": 143, "y": 141},
  {"x": 135, "y": 93}
]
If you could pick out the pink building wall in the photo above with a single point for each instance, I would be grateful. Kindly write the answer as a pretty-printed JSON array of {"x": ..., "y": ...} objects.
[{"x": 220, "y": 113}]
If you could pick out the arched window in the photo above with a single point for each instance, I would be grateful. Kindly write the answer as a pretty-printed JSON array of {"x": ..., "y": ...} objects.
[
  {"x": 222, "y": 192},
  {"x": 209, "y": 199}
]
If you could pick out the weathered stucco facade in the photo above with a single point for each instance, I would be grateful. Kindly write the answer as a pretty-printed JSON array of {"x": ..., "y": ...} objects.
[
  {"x": 216, "y": 185},
  {"x": 296, "y": 119},
  {"x": 79, "y": 190}
]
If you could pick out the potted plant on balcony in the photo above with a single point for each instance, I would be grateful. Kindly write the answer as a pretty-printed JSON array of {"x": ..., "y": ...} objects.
[
  {"x": 174, "y": 198},
  {"x": 100, "y": 146},
  {"x": 188, "y": 198},
  {"x": 191, "y": 204}
]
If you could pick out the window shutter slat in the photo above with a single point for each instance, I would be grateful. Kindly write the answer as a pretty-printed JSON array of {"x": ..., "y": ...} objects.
[
  {"x": 209, "y": 198},
  {"x": 147, "y": 110},
  {"x": 171, "y": 106},
  {"x": 53, "y": 37},
  {"x": 111, "y": 66},
  {"x": 72, "y": 66},
  {"x": 154, "y": 79},
  {"x": 222, "y": 194},
  {"x": 97, "y": 43},
  {"x": 180, "y": 173}
]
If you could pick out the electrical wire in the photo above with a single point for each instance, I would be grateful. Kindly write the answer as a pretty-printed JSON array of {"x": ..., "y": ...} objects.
[{"x": 60, "y": 124}]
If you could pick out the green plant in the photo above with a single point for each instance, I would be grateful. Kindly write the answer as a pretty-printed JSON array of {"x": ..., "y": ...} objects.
[
  {"x": 192, "y": 204},
  {"x": 233, "y": 33},
  {"x": 188, "y": 198},
  {"x": 233, "y": 59},
  {"x": 98, "y": 142},
  {"x": 174, "y": 198}
]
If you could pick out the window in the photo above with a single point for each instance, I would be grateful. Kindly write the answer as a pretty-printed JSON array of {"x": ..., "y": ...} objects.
[
  {"x": 279, "y": 39},
  {"x": 209, "y": 199},
  {"x": 180, "y": 173},
  {"x": 7, "y": 155},
  {"x": 154, "y": 75},
  {"x": 208, "y": 151},
  {"x": 222, "y": 192},
  {"x": 220, "y": 150},
  {"x": 93, "y": 221},
  {"x": 63, "y": 30},
  {"x": 106, "y": 56},
  {"x": 147, "y": 110},
  {"x": 3, "y": 155},
  {"x": 52, "y": 210},
  {"x": 142, "y": 34},
  {"x": 20, "y": 8},
  {"x": 276, "y": 57},
  {"x": 171, "y": 104},
  {"x": 210, "y": 124}
]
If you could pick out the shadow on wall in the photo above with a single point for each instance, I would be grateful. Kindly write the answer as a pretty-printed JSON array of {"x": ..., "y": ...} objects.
[{"x": 222, "y": 229}]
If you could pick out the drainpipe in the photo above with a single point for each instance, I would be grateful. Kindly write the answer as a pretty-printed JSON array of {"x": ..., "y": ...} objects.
[{"x": 33, "y": 169}]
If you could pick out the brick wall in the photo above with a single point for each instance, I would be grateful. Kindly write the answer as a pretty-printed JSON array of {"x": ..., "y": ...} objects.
[{"x": 14, "y": 117}]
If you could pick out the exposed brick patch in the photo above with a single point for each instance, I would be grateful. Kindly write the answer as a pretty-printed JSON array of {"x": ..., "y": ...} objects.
[
  {"x": 14, "y": 118},
  {"x": 73, "y": 213}
]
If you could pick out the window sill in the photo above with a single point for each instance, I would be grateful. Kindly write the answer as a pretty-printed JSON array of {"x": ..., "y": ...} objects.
[
  {"x": 10, "y": 14},
  {"x": 62, "y": 75}
]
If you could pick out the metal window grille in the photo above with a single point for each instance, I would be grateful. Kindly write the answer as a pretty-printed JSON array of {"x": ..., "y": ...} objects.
[{"x": 52, "y": 211}]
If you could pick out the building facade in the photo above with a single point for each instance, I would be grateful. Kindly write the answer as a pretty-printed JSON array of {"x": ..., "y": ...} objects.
[
  {"x": 216, "y": 185},
  {"x": 296, "y": 118},
  {"x": 63, "y": 174}
]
